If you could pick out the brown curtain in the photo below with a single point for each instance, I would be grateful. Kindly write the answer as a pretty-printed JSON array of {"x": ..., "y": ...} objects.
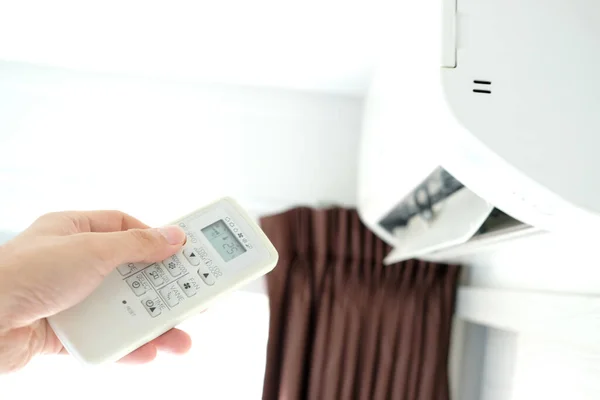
[{"x": 343, "y": 325}]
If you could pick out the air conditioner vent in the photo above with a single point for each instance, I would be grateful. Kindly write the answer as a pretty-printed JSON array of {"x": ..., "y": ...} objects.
[{"x": 483, "y": 87}]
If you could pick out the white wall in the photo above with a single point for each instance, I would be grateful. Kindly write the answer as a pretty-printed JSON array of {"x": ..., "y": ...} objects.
[
  {"x": 314, "y": 45},
  {"x": 538, "y": 297},
  {"x": 158, "y": 149}
]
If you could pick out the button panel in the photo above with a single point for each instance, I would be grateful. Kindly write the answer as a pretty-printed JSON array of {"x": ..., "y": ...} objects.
[
  {"x": 138, "y": 284},
  {"x": 172, "y": 294},
  {"x": 174, "y": 265},
  {"x": 164, "y": 285},
  {"x": 156, "y": 274},
  {"x": 189, "y": 284}
]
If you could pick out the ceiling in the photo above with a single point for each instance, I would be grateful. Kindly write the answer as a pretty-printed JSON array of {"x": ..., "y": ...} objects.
[{"x": 319, "y": 45}]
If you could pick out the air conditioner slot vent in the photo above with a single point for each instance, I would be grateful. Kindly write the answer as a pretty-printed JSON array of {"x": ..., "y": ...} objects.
[
  {"x": 480, "y": 86},
  {"x": 437, "y": 187}
]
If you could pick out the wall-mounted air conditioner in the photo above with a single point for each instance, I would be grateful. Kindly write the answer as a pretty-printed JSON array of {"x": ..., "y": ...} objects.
[{"x": 506, "y": 127}]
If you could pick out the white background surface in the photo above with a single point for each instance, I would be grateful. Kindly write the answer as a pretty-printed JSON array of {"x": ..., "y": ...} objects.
[
  {"x": 226, "y": 362},
  {"x": 320, "y": 45},
  {"x": 158, "y": 150}
]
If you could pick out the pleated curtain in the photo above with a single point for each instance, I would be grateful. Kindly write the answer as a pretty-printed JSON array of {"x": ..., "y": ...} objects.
[{"x": 345, "y": 326}]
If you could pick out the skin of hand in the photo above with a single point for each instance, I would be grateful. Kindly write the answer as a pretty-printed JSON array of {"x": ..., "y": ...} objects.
[{"x": 58, "y": 261}]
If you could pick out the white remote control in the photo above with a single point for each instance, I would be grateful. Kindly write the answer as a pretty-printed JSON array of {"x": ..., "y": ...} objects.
[{"x": 136, "y": 303}]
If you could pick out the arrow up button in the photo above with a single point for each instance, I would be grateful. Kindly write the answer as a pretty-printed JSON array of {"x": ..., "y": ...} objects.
[{"x": 192, "y": 257}]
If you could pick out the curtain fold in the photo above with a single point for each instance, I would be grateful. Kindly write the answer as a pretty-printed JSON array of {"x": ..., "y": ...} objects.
[{"x": 345, "y": 326}]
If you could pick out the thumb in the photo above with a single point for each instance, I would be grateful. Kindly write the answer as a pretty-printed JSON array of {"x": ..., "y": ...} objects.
[{"x": 136, "y": 245}]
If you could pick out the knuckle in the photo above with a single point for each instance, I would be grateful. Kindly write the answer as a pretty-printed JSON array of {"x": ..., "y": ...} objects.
[
  {"x": 59, "y": 214},
  {"x": 56, "y": 221},
  {"x": 114, "y": 214},
  {"x": 50, "y": 216}
]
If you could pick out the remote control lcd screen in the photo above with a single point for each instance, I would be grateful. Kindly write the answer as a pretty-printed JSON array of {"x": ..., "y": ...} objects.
[{"x": 223, "y": 240}]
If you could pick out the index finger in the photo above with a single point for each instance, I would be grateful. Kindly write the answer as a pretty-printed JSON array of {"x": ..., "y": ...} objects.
[
  {"x": 105, "y": 221},
  {"x": 70, "y": 222}
]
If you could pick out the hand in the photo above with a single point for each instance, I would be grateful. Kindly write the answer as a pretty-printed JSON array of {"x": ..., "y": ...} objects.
[{"x": 58, "y": 261}]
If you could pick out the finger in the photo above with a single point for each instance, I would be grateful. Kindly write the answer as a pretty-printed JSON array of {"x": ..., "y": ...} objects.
[
  {"x": 173, "y": 341},
  {"x": 134, "y": 245},
  {"x": 105, "y": 221},
  {"x": 141, "y": 355},
  {"x": 71, "y": 222}
]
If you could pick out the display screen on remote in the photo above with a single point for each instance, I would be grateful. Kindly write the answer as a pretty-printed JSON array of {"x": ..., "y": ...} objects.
[{"x": 223, "y": 240}]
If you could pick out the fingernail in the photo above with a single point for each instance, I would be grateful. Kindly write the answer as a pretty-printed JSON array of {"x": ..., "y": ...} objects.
[{"x": 173, "y": 234}]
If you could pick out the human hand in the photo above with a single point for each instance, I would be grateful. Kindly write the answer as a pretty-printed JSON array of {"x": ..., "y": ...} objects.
[{"x": 57, "y": 262}]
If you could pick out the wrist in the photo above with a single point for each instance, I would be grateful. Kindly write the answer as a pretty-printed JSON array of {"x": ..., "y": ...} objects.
[{"x": 18, "y": 346}]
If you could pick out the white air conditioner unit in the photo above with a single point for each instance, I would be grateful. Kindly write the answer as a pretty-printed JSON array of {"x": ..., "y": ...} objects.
[{"x": 511, "y": 131}]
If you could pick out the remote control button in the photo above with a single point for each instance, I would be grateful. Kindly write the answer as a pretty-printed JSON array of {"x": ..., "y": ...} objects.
[
  {"x": 138, "y": 284},
  {"x": 189, "y": 284},
  {"x": 172, "y": 294},
  {"x": 129, "y": 268},
  {"x": 156, "y": 274},
  {"x": 173, "y": 265},
  {"x": 192, "y": 257},
  {"x": 153, "y": 305},
  {"x": 206, "y": 276}
]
